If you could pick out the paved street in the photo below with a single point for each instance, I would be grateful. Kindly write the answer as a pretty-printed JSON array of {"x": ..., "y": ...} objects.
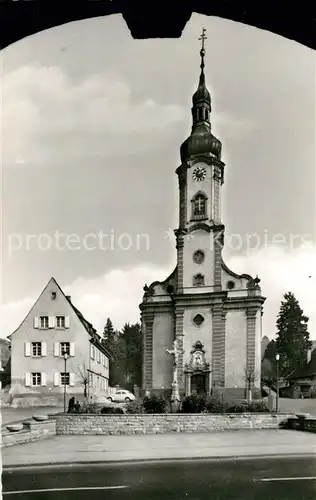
[
  {"x": 288, "y": 478},
  {"x": 288, "y": 405}
]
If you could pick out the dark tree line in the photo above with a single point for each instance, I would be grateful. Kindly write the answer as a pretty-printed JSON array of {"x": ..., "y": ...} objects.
[{"x": 125, "y": 347}]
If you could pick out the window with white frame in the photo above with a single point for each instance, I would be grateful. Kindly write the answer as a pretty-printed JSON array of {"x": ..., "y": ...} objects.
[
  {"x": 64, "y": 348},
  {"x": 36, "y": 379},
  {"x": 43, "y": 322},
  {"x": 60, "y": 322},
  {"x": 36, "y": 348},
  {"x": 65, "y": 378}
]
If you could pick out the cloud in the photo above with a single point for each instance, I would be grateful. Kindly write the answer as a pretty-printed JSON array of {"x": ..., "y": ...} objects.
[
  {"x": 45, "y": 115},
  {"x": 282, "y": 271},
  {"x": 230, "y": 128},
  {"x": 48, "y": 118},
  {"x": 118, "y": 293}
]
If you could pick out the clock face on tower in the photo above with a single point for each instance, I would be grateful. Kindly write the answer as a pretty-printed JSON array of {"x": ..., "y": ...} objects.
[{"x": 199, "y": 173}]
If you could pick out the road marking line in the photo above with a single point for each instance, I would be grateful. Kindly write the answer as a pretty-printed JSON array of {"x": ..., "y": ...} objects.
[
  {"x": 307, "y": 478},
  {"x": 86, "y": 488}
]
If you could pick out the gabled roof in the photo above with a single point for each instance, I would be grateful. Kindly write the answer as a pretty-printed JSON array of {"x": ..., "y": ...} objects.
[{"x": 95, "y": 337}]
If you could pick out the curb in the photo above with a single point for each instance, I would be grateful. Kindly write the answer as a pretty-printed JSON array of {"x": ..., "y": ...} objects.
[{"x": 135, "y": 461}]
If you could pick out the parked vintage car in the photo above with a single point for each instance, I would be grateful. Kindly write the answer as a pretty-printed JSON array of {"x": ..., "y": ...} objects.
[{"x": 121, "y": 396}]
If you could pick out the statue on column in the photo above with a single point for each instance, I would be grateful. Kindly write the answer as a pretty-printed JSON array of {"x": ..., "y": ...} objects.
[{"x": 175, "y": 396}]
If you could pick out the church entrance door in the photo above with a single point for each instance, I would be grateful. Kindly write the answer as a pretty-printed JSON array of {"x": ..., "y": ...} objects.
[{"x": 198, "y": 384}]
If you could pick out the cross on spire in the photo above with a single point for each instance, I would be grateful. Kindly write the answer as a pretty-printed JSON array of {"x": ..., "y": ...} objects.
[{"x": 203, "y": 37}]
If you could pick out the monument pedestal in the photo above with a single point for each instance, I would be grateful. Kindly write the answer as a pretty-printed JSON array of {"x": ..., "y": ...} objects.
[{"x": 175, "y": 406}]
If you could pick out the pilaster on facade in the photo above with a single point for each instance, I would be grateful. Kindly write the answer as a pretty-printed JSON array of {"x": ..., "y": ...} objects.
[
  {"x": 251, "y": 315},
  {"x": 180, "y": 234},
  {"x": 179, "y": 334},
  {"x": 148, "y": 322},
  {"x": 218, "y": 235},
  {"x": 217, "y": 176},
  {"x": 182, "y": 196},
  {"x": 218, "y": 345}
]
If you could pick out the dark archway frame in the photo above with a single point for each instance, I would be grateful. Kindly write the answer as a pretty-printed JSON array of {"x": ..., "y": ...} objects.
[{"x": 158, "y": 18}]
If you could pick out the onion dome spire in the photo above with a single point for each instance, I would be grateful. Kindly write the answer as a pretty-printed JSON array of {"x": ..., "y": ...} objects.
[
  {"x": 201, "y": 140},
  {"x": 202, "y": 94}
]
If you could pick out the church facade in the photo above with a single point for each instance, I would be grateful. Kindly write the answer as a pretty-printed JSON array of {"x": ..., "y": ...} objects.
[{"x": 213, "y": 313}]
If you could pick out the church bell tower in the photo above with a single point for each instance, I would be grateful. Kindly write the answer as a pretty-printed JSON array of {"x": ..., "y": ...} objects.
[
  {"x": 212, "y": 314},
  {"x": 200, "y": 235}
]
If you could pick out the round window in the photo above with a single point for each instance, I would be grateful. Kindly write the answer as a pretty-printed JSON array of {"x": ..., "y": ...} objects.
[
  {"x": 198, "y": 256},
  {"x": 198, "y": 319}
]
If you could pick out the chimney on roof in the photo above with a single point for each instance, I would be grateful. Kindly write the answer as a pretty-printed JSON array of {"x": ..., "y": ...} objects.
[
  {"x": 309, "y": 355},
  {"x": 68, "y": 297}
]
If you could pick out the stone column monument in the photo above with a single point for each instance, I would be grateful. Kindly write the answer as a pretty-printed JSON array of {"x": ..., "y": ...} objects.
[{"x": 175, "y": 396}]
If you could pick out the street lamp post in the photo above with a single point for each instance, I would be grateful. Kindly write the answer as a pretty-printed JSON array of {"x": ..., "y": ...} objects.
[
  {"x": 277, "y": 358},
  {"x": 65, "y": 384}
]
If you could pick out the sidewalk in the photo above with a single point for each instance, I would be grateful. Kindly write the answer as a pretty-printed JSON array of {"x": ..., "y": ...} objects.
[
  {"x": 14, "y": 415},
  {"x": 72, "y": 449}
]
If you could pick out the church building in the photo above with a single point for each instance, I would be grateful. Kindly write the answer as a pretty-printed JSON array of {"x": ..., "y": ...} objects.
[{"x": 213, "y": 313}]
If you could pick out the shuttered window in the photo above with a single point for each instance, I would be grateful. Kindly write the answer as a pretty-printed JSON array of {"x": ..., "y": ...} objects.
[
  {"x": 43, "y": 322},
  {"x": 36, "y": 379}
]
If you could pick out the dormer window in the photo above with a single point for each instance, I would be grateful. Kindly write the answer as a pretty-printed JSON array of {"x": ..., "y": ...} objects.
[{"x": 199, "y": 207}]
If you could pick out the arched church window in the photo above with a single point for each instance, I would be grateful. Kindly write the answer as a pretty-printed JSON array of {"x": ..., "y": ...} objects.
[
  {"x": 199, "y": 207},
  {"x": 206, "y": 114},
  {"x": 200, "y": 114},
  {"x": 198, "y": 280}
]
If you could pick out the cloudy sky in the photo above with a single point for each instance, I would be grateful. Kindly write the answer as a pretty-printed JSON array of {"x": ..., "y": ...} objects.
[{"x": 92, "y": 123}]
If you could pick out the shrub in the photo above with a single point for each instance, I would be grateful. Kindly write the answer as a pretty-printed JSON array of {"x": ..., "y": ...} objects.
[
  {"x": 193, "y": 404},
  {"x": 244, "y": 407},
  {"x": 214, "y": 404},
  {"x": 88, "y": 408},
  {"x": 154, "y": 404},
  {"x": 237, "y": 408},
  {"x": 109, "y": 410},
  {"x": 257, "y": 406},
  {"x": 135, "y": 406}
]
